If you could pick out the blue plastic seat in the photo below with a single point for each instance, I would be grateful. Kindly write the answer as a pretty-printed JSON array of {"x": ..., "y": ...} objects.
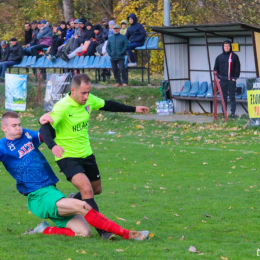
[
  {"x": 78, "y": 62},
  {"x": 241, "y": 85},
  {"x": 95, "y": 63},
  {"x": 153, "y": 44},
  {"x": 209, "y": 93},
  {"x": 38, "y": 63},
  {"x": 244, "y": 96},
  {"x": 58, "y": 63},
  {"x": 101, "y": 63},
  {"x": 203, "y": 89},
  {"x": 90, "y": 62},
  {"x": 194, "y": 89},
  {"x": 31, "y": 61},
  {"x": 23, "y": 62},
  {"x": 185, "y": 89},
  {"x": 70, "y": 63},
  {"x": 144, "y": 47},
  {"x": 108, "y": 63},
  {"x": 47, "y": 64}
]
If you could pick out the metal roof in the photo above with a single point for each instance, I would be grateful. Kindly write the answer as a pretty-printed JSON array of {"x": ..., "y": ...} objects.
[{"x": 220, "y": 30}]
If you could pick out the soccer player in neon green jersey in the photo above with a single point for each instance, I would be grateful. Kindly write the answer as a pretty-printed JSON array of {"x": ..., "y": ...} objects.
[{"x": 71, "y": 145}]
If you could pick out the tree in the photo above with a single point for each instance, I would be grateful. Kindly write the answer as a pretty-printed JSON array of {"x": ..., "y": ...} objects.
[{"x": 68, "y": 9}]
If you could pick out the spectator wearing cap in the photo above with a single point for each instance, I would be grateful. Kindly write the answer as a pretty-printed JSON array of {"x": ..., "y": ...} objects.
[
  {"x": 27, "y": 33},
  {"x": 123, "y": 27},
  {"x": 77, "y": 40},
  {"x": 64, "y": 29},
  {"x": 57, "y": 40},
  {"x": 45, "y": 39},
  {"x": 34, "y": 41},
  {"x": 105, "y": 28},
  {"x": 116, "y": 48},
  {"x": 4, "y": 51},
  {"x": 136, "y": 35},
  {"x": 15, "y": 57}
]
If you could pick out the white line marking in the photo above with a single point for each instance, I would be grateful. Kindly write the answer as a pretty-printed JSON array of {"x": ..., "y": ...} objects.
[{"x": 172, "y": 146}]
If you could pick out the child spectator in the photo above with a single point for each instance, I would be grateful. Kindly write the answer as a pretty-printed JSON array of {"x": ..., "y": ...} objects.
[{"x": 123, "y": 27}]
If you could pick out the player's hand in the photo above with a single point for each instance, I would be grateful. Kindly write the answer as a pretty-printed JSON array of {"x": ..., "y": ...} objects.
[
  {"x": 141, "y": 109},
  {"x": 57, "y": 151},
  {"x": 46, "y": 118},
  {"x": 233, "y": 80}
]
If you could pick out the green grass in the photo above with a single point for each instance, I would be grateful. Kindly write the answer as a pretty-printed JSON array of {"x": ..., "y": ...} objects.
[{"x": 172, "y": 173}]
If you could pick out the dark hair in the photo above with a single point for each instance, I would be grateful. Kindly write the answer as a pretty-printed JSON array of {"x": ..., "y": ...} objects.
[
  {"x": 10, "y": 114},
  {"x": 63, "y": 22},
  {"x": 26, "y": 23},
  {"x": 77, "y": 79}
]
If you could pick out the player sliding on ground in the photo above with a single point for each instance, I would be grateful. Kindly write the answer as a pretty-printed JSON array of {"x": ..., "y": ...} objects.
[
  {"x": 72, "y": 150},
  {"x": 36, "y": 180}
]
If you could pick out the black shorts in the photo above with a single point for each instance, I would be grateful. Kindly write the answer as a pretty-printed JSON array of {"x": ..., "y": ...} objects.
[{"x": 72, "y": 166}]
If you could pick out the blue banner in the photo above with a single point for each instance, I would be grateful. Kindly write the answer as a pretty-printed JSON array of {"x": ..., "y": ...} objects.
[{"x": 15, "y": 92}]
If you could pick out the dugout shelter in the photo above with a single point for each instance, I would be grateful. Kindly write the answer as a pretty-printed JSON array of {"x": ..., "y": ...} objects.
[{"x": 190, "y": 53}]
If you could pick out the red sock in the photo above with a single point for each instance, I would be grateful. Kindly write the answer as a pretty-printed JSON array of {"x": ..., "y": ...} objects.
[
  {"x": 84, "y": 52},
  {"x": 97, "y": 220},
  {"x": 58, "y": 231},
  {"x": 79, "y": 54}
]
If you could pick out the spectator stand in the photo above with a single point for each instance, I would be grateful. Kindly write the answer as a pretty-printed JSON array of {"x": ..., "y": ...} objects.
[{"x": 190, "y": 53}]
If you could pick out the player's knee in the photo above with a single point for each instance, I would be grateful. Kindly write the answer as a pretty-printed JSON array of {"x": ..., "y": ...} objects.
[
  {"x": 86, "y": 232},
  {"x": 98, "y": 190}
]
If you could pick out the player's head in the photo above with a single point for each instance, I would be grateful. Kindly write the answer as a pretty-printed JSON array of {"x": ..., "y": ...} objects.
[
  {"x": 80, "y": 88},
  {"x": 11, "y": 125}
]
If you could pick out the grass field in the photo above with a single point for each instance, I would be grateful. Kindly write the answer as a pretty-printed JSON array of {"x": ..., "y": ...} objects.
[{"x": 189, "y": 184}]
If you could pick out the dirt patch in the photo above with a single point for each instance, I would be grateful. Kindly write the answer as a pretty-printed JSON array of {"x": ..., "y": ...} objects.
[{"x": 121, "y": 97}]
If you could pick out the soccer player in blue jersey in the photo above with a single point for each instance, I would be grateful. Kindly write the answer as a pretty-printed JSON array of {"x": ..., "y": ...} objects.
[{"x": 35, "y": 179}]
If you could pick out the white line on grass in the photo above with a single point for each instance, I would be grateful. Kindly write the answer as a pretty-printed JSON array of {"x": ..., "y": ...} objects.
[{"x": 165, "y": 146}]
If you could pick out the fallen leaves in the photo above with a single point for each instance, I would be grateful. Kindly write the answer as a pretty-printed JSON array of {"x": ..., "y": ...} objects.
[
  {"x": 224, "y": 258},
  {"x": 193, "y": 249},
  {"x": 138, "y": 222},
  {"x": 118, "y": 217},
  {"x": 182, "y": 238}
]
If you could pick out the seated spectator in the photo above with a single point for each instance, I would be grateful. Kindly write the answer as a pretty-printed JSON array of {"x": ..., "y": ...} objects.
[
  {"x": 71, "y": 22},
  {"x": 101, "y": 49},
  {"x": 15, "y": 57},
  {"x": 27, "y": 33},
  {"x": 45, "y": 39},
  {"x": 136, "y": 35},
  {"x": 34, "y": 41},
  {"x": 78, "y": 39},
  {"x": 105, "y": 29},
  {"x": 116, "y": 48},
  {"x": 4, "y": 51},
  {"x": 57, "y": 40},
  {"x": 89, "y": 32},
  {"x": 64, "y": 29},
  {"x": 124, "y": 28},
  {"x": 88, "y": 49}
]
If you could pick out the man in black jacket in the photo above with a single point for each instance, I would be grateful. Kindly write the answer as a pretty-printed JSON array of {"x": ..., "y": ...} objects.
[
  {"x": 27, "y": 33},
  {"x": 4, "y": 51},
  {"x": 15, "y": 57},
  {"x": 227, "y": 66},
  {"x": 116, "y": 48}
]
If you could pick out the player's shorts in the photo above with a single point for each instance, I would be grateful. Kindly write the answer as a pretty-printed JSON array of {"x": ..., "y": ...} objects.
[
  {"x": 42, "y": 203},
  {"x": 72, "y": 166}
]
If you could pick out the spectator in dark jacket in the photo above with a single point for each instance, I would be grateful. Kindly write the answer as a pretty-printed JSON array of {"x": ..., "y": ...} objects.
[
  {"x": 78, "y": 39},
  {"x": 57, "y": 40},
  {"x": 227, "y": 66},
  {"x": 15, "y": 57},
  {"x": 63, "y": 29},
  {"x": 89, "y": 32},
  {"x": 136, "y": 35},
  {"x": 116, "y": 48},
  {"x": 45, "y": 39},
  {"x": 27, "y": 33},
  {"x": 4, "y": 51},
  {"x": 34, "y": 41},
  {"x": 105, "y": 29}
]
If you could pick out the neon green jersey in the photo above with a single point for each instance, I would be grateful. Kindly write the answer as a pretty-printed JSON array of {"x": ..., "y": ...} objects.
[{"x": 71, "y": 125}]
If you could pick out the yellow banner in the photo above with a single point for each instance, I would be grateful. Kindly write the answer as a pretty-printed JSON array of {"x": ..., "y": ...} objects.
[{"x": 253, "y": 101}]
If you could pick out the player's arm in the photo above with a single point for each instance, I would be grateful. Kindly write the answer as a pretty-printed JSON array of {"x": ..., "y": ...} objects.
[{"x": 114, "y": 106}]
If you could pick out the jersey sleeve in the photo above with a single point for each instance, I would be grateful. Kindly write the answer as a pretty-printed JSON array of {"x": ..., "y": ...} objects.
[
  {"x": 97, "y": 102},
  {"x": 35, "y": 137},
  {"x": 57, "y": 114},
  {"x": 2, "y": 153}
]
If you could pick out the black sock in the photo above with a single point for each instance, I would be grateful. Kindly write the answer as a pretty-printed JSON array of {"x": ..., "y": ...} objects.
[
  {"x": 77, "y": 196},
  {"x": 94, "y": 205}
]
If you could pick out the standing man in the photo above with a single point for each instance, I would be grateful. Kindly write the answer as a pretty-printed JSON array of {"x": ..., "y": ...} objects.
[
  {"x": 15, "y": 57},
  {"x": 35, "y": 179},
  {"x": 116, "y": 48},
  {"x": 71, "y": 146},
  {"x": 227, "y": 66}
]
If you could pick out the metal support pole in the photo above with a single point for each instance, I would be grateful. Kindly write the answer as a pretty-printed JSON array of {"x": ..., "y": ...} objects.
[
  {"x": 166, "y": 6},
  {"x": 39, "y": 88}
]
